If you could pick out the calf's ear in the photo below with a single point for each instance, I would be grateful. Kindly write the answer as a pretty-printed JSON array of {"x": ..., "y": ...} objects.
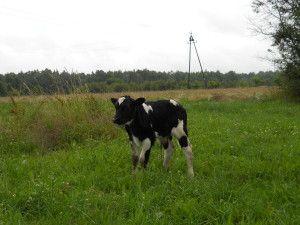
[
  {"x": 139, "y": 101},
  {"x": 114, "y": 100}
]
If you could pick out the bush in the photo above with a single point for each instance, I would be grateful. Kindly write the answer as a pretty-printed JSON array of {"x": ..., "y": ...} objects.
[
  {"x": 120, "y": 87},
  {"x": 214, "y": 84},
  {"x": 291, "y": 81}
]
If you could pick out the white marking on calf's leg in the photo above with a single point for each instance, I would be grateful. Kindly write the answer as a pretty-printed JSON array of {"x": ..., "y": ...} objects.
[
  {"x": 179, "y": 133},
  {"x": 136, "y": 141},
  {"x": 146, "y": 145},
  {"x": 168, "y": 154},
  {"x": 134, "y": 156},
  {"x": 189, "y": 159}
]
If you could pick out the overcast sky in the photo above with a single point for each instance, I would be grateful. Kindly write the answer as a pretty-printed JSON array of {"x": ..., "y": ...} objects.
[{"x": 86, "y": 35}]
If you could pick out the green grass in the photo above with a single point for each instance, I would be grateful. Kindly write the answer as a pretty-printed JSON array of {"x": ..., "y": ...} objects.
[{"x": 246, "y": 161}]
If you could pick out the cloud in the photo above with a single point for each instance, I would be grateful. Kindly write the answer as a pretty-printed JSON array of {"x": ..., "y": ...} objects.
[{"x": 113, "y": 35}]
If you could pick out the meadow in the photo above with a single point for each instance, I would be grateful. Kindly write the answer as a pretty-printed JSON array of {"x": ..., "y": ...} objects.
[{"x": 64, "y": 162}]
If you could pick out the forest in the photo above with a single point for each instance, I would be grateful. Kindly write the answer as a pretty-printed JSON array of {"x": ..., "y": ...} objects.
[{"x": 48, "y": 81}]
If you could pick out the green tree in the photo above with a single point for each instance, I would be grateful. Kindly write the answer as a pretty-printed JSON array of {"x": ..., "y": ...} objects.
[
  {"x": 257, "y": 81},
  {"x": 280, "y": 20}
]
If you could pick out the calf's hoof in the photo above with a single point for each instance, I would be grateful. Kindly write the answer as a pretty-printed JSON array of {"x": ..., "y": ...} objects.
[
  {"x": 191, "y": 173},
  {"x": 134, "y": 171}
]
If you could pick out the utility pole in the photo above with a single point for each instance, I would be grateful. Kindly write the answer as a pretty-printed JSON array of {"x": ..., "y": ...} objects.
[
  {"x": 189, "y": 75},
  {"x": 191, "y": 39}
]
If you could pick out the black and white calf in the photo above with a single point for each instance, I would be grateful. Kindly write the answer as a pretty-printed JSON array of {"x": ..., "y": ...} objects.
[{"x": 146, "y": 121}]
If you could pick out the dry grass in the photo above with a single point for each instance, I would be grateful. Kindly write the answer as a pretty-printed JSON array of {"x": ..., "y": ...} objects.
[
  {"x": 198, "y": 94},
  {"x": 194, "y": 94},
  {"x": 54, "y": 122}
]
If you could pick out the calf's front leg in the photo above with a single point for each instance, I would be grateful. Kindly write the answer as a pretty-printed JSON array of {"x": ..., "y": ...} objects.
[
  {"x": 134, "y": 156},
  {"x": 145, "y": 152}
]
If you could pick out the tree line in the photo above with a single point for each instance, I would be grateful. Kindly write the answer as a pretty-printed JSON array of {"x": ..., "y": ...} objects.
[{"x": 52, "y": 81}]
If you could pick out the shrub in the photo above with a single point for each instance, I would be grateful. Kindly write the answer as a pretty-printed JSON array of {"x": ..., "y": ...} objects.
[{"x": 214, "y": 84}]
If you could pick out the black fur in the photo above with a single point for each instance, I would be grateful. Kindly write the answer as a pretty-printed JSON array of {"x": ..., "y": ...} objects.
[{"x": 165, "y": 145}]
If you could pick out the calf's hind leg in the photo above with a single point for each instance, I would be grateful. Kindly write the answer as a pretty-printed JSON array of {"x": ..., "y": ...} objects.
[
  {"x": 186, "y": 147},
  {"x": 180, "y": 132},
  {"x": 168, "y": 150}
]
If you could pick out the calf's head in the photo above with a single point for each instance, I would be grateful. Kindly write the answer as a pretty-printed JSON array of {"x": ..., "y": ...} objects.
[{"x": 125, "y": 109}]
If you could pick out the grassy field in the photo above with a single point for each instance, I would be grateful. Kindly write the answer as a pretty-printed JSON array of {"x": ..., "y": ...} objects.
[{"x": 64, "y": 162}]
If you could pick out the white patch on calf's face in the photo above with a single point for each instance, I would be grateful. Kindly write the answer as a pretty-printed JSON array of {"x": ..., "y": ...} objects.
[
  {"x": 129, "y": 122},
  {"x": 173, "y": 102},
  {"x": 178, "y": 131},
  {"x": 147, "y": 108},
  {"x": 120, "y": 100}
]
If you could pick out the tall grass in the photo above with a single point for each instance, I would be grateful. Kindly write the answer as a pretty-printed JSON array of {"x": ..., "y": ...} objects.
[
  {"x": 54, "y": 123},
  {"x": 50, "y": 122}
]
